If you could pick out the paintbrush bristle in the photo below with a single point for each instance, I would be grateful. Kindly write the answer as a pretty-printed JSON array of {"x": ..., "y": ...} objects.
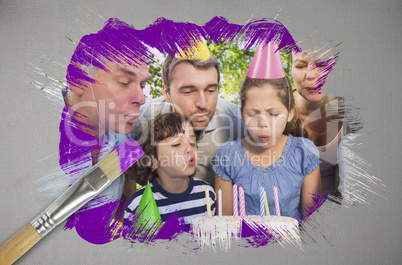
[
  {"x": 120, "y": 159},
  {"x": 110, "y": 165}
]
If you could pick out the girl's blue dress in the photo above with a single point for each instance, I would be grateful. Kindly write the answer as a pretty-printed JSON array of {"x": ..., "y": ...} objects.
[{"x": 299, "y": 158}]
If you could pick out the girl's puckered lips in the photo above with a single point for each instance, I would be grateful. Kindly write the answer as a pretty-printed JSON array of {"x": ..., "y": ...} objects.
[{"x": 264, "y": 138}]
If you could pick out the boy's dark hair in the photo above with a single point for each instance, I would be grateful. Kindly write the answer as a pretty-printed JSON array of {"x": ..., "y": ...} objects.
[
  {"x": 283, "y": 88},
  {"x": 162, "y": 127}
]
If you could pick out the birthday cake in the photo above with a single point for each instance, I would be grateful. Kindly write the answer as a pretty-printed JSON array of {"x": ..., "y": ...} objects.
[{"x": 214, "y": 230}]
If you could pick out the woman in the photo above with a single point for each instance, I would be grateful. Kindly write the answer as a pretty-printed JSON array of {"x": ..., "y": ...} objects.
[{"x": 320, "y": 113}]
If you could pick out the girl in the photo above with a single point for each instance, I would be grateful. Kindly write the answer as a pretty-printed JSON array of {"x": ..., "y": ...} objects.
[
  {"x": 274, "y": 154},
  {"x": 168, "y": 164}
]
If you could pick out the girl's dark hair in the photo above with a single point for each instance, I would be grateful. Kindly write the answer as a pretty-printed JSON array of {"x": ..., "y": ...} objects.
[
  {"x": 284, "y": 92},
  {"x": 162, "y": 127}
]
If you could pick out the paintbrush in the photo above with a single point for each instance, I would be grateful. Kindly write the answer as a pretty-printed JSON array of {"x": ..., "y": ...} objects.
[{"x": 83, "y": 190}]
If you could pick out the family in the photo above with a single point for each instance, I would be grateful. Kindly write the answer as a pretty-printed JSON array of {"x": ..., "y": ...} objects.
[{"x": 194, "y": 140}]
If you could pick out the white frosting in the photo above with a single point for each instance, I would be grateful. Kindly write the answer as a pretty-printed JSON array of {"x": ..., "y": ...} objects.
[{"x": 220, "y": 230}]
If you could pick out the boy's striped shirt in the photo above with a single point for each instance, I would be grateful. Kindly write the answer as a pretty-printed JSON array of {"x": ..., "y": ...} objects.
[{"x": 188, "y": 205}]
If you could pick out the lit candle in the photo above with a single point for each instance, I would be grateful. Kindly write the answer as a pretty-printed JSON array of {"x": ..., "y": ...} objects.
[
  {"x": 266, "y": 203},
  {"x": 262, "y": 207},
  {"x": 207, "y": 197},
  {"x": 220, "y": 202},
  {"x": 235, "y": 211},
  {"x": 278, "y": 210},
  {"x": 242, "y": 202}
]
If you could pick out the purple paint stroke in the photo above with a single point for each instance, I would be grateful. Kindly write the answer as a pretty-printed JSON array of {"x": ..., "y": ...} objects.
[
  {"x": 172, "y": 228},
  {"x": 258, "y": 235},
  {"x": 168, "y": 36},
  {"x": 319, "y": 200},
  {"x": 219, "y": 29},
  {"x": 106, "y": 228},
  {"x": 134, "y": 233},
  {"x": 117, "y": 42},
  {"x": 330, "y": 63},
  {"x": 327, "y": 67},
  {"x": 139, "y": 233},
  {"x": 75, "y": 76},
  {"x": 255, "y": 32},
  {"x": 247, "y": 230},
  {"x": 128, "y": 152},
  {"x": 76, "y": 142}
]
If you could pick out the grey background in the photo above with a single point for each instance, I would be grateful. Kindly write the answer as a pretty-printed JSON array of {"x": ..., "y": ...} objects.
[{"x": 369, "y": 71}]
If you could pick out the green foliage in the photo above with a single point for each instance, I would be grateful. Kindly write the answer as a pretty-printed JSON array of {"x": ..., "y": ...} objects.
[
  {"x": 234, "y": 62},
  {"x": 287, "y": 61},
  {"x": 155, "y": 70}
]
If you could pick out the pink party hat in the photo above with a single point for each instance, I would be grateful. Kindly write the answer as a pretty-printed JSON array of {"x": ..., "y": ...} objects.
[{"x": 266, "y": 63}]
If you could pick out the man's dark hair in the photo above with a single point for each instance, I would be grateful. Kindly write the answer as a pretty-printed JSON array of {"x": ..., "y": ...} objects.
[{"x": 171, "y": 62}]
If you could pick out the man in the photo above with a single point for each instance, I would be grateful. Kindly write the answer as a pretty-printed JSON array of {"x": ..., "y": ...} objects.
[
  {"x": 191, "y": 87},
  {"x": 103, "y": 99}
]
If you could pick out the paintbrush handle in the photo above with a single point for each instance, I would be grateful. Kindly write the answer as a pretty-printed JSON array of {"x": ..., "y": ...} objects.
[
  {"x": 18, "y": 245},
  {"x": 83, "y": 190}
]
